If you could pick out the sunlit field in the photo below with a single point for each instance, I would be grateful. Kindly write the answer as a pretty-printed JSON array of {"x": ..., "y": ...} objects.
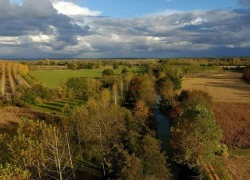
[{"x": 54, "y": 78}]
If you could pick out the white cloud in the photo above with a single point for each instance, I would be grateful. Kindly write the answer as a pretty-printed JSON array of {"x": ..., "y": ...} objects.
[
  {"x": 40, "y": 38},
  {"x": 71, "y": 9},
  {"x": 7, "y": 40}
]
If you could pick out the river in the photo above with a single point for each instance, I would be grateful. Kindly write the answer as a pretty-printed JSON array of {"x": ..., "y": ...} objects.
[{"x": 163, "y": 134}]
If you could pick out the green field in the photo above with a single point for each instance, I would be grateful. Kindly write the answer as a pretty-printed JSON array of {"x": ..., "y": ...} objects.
[
  {"x": 54, "y": 78},
  {"x": 56, "y": 107}
]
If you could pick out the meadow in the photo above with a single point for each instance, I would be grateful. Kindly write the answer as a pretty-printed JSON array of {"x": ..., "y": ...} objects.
[{"x": 54, "y": 78}]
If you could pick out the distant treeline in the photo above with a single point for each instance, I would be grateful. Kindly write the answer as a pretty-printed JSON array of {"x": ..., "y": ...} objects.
[{"x": 227, "y": 61}]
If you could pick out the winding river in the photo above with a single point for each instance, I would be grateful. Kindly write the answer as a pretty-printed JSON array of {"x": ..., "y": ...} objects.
[{"x": 163, "y": 134}]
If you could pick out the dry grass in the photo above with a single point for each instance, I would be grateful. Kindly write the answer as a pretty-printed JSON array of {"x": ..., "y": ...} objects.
[
  {"x": 226, "y": 87},
  {"x": 14, "y": 114},
  {"x": 239, "y": 167}
]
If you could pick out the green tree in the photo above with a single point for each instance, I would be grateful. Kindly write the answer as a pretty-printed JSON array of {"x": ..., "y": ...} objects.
[
  {"x": 195, "y": 137},
  {"x": 115, "y": 66},
  {"x": 108, "y": 72},
  {"x": 154, "y": 162},
  {"x": 10, "y": 172}
]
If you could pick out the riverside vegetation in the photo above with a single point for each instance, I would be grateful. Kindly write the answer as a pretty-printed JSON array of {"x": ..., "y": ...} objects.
[{"x": 103, "y": 125}]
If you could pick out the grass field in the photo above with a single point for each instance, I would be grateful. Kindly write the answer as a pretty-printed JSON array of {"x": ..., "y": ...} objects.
[
  {"x": 54, "y": 78},
  {"x": 56, "y": 107},
  {"x": 226, "y": 87}
]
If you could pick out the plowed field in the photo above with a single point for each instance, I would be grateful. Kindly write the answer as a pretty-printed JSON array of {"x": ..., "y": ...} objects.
[{"x": 227, "y": 87}]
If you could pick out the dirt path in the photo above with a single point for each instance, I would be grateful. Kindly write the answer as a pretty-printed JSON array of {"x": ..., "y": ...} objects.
[{"x": 226, "y": 87}]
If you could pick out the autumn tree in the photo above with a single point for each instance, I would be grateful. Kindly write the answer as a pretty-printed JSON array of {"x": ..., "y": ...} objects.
[
  {"x": 108, "y": 72},
  {"x": 192, "y": 98},
  {"x": 133, "y": 168},
  {"x": 195, "y": 137},
  {"x": 141, "y": 111},
  {"x": 154, "y": 162},
  {"x": 246, "y": 74},
  {"x": 143, "y": 88}
]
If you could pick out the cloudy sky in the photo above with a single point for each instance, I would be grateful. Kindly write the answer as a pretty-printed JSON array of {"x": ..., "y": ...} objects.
[{"x": 124, "y": 28}]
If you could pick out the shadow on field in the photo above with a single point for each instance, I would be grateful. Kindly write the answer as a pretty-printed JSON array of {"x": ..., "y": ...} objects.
[
  {"x": 238, "y": 87},
  {"x": 56, "y": 104},
  {"x": 49, "y": 107},
  {"x": 9, "y": 127}
]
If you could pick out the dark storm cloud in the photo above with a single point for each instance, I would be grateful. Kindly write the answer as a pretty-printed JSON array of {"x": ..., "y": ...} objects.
[
  {"x": 245, "y": 2},
  {"x": 179, "y": 33},
  {"x": 33, "y": 17}
]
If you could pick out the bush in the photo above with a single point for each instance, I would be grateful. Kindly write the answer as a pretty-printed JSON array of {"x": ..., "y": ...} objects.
[{"x": 246, "y": 74}]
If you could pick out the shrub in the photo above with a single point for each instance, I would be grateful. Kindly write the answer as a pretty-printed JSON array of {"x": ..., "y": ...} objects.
[{"x": 246, "y": 74}]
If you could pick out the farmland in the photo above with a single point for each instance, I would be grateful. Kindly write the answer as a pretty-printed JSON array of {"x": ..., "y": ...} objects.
[
  {"x": 231, "y": 107},
  {"x": 239, "y": 167},
  {"x": 54, "y": 78},
  {"x": 11, "y": 78},
  {"x": 233, "y": 118},
  {"x": 226, "y": 87}
]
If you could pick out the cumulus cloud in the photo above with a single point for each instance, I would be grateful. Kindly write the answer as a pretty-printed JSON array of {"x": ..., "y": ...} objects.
[
  {"x": 71, "y": 9},
  {"x": 38, "y": 18},
  {"x": 29, "y": 31}
]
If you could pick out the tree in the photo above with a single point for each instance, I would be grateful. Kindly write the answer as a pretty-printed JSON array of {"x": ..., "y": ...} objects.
[
  {"x": 47, "y": 62},
  {"x": 108, "y": 72},
  {"x": 115, "y": 66},
  {"x": 147, "y": 91},
  {"x": 133, "y": 168},
  {"x": 236, "y": 61},
  {"x": 124, "y": 71},
  {"x": 195, "y": 137},
  {"x": 143, "y": 88},
  {"x": 192, "y": 98},
  {"x": 72, "y": 65},
  {"x": 141, "y": 111},
  {"x": 166, "y": 91},
  {"x": 246, "y": 74},
  {"x": 10, "y": 172},
  {"x": 77, "y": 85},
  {"x": 101, "y": 128},
  {"x": 41, "y": 150},
  {"x": 39, "y": 90},
  {"x": 154, "y": 162}
]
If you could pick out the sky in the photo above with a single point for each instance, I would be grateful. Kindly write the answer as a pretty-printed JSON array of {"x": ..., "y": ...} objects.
[{"x": 124, "y": 29}]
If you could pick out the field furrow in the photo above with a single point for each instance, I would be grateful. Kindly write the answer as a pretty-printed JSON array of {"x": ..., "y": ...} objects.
[{"x": 227, "y": 87}]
